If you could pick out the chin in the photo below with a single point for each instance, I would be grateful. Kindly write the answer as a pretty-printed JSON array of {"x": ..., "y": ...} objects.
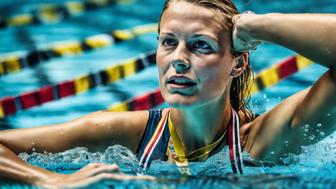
[{"x": 181, "y": 101}]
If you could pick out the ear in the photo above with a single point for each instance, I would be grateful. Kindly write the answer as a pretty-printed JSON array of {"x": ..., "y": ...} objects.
[{"x": 240, "y": 64}]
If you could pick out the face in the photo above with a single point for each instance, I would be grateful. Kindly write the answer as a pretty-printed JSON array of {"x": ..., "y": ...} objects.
[{"x": 194, "y": 56}]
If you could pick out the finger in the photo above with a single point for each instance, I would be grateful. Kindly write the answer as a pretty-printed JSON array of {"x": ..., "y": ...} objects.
[
  {"x": 89, "y": 167},
  {"x": 98, "y": 169},
  {"x": 119, "y": 177},
  {"x": 234, "y": 19},
  {"x": 104, "y": 169}
]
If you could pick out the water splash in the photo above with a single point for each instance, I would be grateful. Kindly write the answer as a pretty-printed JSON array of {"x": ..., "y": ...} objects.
[
  {"x": 313, "y": 168},
  {"x": 76, "y": 158}
]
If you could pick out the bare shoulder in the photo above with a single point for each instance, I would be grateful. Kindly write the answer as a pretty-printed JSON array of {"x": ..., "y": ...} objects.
[
  {"x": 109, "y": 128},
  {"x": 96, "y": 131},
  {"x": 124, "y": 119}
]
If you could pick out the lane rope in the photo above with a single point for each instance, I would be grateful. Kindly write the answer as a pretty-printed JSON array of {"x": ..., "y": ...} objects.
[
  {"x": 10, "y": 105},
  {"x": 52, "y": 13},
  {"x": 265, "y": 79},
  {"x": 16, "y": 63}
]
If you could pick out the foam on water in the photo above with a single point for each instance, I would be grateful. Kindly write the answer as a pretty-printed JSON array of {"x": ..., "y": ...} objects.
[{"x": 315, "y": 167}]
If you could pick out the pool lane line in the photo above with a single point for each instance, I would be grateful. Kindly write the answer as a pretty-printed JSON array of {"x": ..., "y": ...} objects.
[
  {"x": 264, "y": 79},
  {"x": 52, "y": 13},
  {"x": 142, "y": 102},
  {"x": 15, "y": 63},
  {"x": 10, "y": 105},
  {"x": 277, "y": 72}
]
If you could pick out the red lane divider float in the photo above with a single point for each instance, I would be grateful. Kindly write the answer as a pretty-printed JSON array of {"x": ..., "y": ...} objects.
[
  {"x": 143, "y": 102},
  {"x": 12, "y": 104},
  {"x": 266, "y": 78}
]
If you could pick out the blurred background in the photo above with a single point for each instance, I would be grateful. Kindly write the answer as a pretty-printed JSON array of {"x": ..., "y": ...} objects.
[{"x": 99, "y": 17}]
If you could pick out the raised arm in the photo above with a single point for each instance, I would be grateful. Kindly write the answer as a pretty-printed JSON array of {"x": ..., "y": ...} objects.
[
  {"x": 311, "y": 35},
  {"x": 96, "y": 131},
  {"x": 281, "y": 130}
]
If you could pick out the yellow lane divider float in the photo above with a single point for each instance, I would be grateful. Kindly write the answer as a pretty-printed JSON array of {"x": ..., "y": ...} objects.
[
  {"x": 12, "y": 64},
  {"x": 266, "y": 78},
  {"x": 10, "y": 105}
]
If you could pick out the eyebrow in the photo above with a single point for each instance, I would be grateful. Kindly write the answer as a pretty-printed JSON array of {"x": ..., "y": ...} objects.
[
  {"x": 206, "y": 36},
  {"x": 166, "y": 33},
  {"x": 193, "y": 36}
]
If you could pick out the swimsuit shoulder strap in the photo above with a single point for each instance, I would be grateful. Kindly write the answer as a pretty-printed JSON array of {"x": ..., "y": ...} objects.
[
  {"x": 155, "y": 139},
  {"x": 235, "y": 151}
]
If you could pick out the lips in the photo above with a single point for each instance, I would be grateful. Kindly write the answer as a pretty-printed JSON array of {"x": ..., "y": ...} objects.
[{"x": 181, "y": 81}]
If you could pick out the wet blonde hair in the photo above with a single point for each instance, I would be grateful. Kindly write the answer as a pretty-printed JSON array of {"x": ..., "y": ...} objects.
[{"x": 240, "y": 87}]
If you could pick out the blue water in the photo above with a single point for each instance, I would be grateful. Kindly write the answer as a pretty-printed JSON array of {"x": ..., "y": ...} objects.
[{"x": 313, "y": 168}]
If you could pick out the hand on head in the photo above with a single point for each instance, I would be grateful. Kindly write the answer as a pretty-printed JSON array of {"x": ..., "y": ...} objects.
[{"x": 242, "y": 39}]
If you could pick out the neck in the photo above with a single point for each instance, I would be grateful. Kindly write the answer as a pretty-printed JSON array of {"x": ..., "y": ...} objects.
[{"x": 201, "y": 126}]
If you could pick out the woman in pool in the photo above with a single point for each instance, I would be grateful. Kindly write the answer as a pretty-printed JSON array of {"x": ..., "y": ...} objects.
[{"x": 204, "y": 78}]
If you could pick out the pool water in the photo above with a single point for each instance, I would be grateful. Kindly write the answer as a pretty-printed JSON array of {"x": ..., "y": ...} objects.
[{"x": 313, "y": 168}]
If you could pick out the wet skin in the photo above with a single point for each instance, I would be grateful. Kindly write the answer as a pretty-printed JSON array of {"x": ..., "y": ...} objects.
[{"x": 194, "y": 56}]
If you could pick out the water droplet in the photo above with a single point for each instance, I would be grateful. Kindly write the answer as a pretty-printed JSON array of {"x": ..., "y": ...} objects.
[
  {"x": 322, "y": 134},
  {"x": 319, "y": 125},
  {"x": 306, "y": 126},
  {"x": 328, "y": 115},
  {"x": 306, "y": 130},
  {"x": 311, "y": 137},
  {"x": 272, "y": 153}
]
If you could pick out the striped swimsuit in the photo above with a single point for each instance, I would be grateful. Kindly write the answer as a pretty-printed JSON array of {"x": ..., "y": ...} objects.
[{"x": 155, "y": 141}]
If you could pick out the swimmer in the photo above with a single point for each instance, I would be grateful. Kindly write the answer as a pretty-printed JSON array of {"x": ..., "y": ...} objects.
[{"x": 204, "y": 74}]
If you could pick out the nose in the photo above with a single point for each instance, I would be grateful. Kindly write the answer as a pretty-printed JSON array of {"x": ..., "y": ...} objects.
[
  {"x": 180, "y": 65},
  {"x": 181, "y": 61}
]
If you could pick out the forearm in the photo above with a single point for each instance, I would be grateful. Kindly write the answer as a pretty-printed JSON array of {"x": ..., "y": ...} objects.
[
  {"x": 311, "y": 35},
  {"x": 12, "y": 167}
]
